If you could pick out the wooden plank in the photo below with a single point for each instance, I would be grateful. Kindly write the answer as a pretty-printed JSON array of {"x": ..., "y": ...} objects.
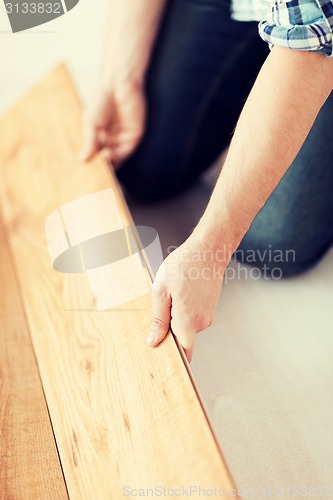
[
  {"x": 29, "y": 463},
  {"x": 123, "y": 414}
]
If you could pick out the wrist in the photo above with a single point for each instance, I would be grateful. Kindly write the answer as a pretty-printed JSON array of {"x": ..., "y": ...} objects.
[
  {"x": 213, "y": 243},
  {"x": 227, "y": 217},
  {"x": 220, "y": 235},
  {"x": 117, "y": 89},
  {"x": 126, "y": 61},
  {"x": 122, "y": 76}
]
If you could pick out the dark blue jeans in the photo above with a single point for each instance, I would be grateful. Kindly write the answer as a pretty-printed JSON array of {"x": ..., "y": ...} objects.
[{"x": 202, "y": 69}]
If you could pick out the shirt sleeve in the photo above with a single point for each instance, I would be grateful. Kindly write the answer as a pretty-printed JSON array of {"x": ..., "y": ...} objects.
[{"x": 298, "y": 24}]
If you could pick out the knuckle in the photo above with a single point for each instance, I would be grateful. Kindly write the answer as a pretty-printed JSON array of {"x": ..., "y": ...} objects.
[
  {"x": 160, "y": 292},
  {"x": 209, "y": 322},
  {"x": 157, "y": 324},
  {"x": 159, "y": 280},
  {"x": 201, "y": 322}
]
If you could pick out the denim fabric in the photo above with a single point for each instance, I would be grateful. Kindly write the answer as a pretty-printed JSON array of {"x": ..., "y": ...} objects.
[
  {"x": 201, "y": 72},
  {"x": 298, "y": 216},
  {"x": 203, "y": 67}
]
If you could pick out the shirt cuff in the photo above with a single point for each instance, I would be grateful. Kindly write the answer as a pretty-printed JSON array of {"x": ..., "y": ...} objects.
[{"x": 299, "y": 24}]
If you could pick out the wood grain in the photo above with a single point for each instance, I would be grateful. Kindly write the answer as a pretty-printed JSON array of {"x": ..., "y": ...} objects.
[
  {"x": 29, "y": 463},
  {"x": 123, "y": 414}
]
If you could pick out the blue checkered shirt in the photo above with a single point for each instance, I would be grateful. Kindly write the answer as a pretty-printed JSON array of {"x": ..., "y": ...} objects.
[{"x": 295, "y": 24}]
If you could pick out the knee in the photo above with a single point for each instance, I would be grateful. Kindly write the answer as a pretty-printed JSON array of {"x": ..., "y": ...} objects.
[
  {"x": 277, "y": 256},
  {"x": 144, "y": 187},
  {"x": 150, "y": 176},
  {"x": 270, "y": 260}
]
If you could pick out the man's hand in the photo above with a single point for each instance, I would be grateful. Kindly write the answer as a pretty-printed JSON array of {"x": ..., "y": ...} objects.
[
  {"x": 187, "y": 287},
  {"x": 114, "y": 123},
  {"x": 185, "y": 293}
]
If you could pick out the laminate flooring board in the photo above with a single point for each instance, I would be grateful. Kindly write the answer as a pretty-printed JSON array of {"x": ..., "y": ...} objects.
[
  {"x": 123, "y": 414},
  {"x": 29, "y": 463}
]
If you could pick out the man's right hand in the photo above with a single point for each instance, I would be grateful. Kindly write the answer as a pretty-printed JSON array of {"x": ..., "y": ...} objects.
[{"x": 114, "y": 122}]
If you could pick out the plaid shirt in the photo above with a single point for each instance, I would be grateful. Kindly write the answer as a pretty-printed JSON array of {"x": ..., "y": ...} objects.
[{"x": 295, "y": 24}]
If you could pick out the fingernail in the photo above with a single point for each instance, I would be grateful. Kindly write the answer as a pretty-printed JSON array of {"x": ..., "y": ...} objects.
[{"x": 151, "y": 338}]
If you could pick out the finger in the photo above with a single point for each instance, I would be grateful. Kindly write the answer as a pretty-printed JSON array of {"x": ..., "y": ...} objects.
[
  {"x": 90, "y": 142},
  {"x": 106, "y": 153},
  {"x": 123, "y": 148},
  {"x": 184, "y": 333},
  {"x": 102, "y": 137},
  {"x": 113, "y": 138},
  {"x": 110, "y": 157},
  {"x": 161, "y": 317}
]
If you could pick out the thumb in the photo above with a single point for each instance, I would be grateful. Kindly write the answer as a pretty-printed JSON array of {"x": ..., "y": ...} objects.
[{"x": 161, "y": 312}]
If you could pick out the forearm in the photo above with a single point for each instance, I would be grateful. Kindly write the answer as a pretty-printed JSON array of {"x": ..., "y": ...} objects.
[
  {"x": 132, "y": 30},
  {"x": 280, "y": 110}
]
